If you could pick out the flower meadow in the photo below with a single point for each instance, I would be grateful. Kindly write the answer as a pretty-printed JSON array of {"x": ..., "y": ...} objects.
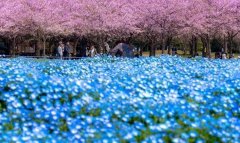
[{"x": 105, "y": 99}]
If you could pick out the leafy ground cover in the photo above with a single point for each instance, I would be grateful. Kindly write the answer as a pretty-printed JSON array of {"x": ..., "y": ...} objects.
[{"x": 103, "y": 99}]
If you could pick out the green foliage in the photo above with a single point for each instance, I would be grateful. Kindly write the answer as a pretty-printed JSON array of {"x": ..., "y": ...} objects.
[
  {"x": 215, "y": 114},
  {"x": 236, "y": 115},
  {"x": 132, "y": 120},
  {"x": 157, "y": 120},
  {"x": 116, "y": 117},
  {"x": 63, "y": 127},
  {"x": 3, "y": 106},
  {"x": 94, "y": 112},
  {"x": 84, "y": 111},
  {"x": 143, "y": 135},
  {"x": 8, "y": 126},
  {"x": 73, "y": 114},
  {"x": 167, "y": 139},
  {"x": 202, "y": 133},
  {"x": 95, "y": 95}
]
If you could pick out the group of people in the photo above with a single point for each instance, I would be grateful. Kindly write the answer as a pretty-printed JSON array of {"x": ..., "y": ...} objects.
[
  {"x": 120, "y": 50},
  {"x": 222, "y": 55},
  {"x": 63, "y": 50}
]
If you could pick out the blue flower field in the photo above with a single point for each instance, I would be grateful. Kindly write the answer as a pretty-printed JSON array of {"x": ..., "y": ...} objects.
[{"x": 105, "y": 99}]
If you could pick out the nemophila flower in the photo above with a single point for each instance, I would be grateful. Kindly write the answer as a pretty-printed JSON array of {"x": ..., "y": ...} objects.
[{"x": 106, "y": 99}]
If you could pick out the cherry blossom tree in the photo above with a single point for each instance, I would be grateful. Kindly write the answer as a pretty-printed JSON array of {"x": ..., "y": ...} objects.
[
  {"x": 162, "y": 20},
  {"x": 12, "y": 27},
  {"x": 210, "y": 18},
  {"x": 157, "y": 21}
]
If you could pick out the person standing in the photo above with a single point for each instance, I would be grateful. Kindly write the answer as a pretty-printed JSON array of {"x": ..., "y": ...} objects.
[
  {"x": 60, "y": 50},
  {"x": 92, "y": 51},
  {"x": 174, "y": 51},
  {"x": 224, "y": 56},
  {"x": 107, "y": 47},
  {"x": 66, "y": 52},
  {"x": 231, "y": 56}
]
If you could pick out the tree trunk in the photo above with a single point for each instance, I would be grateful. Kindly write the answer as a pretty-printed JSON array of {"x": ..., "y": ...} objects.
[
  {"x": 163, "y": 45},
  {"x": 168, "y": 45},
  {"x": 184, "y": 49},
  {"x": 204, "y": 47},
  {"x": 225, "y": 46},
  {"x": 52, "y": 45},
  {"x": 10, "y": 46},
  {"x": 75, "y": 46},
  {"x": 7, "y": 42},
  {"x": 37, "y": 47},
  {"x": 204, "y": 51},
  {"x": 208, "y": 47},
  {"x": 230, "y": 41},
  {"x": 52, "y": 50},
  {"x": 151, "y": 53},
  {"x": 195, "y": 45},
  {"x": 13, "y": 47},
  {"x": 152, "y": 49},
  {"x": 44, "y": 46},
  {"x": 191, "y": 48},
  {"x": 141, "y": 51},
  {"x": 170, "y": 50}
]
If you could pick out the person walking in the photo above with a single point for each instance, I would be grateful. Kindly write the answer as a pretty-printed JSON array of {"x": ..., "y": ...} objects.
[{"x": 60, "y": 50}]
